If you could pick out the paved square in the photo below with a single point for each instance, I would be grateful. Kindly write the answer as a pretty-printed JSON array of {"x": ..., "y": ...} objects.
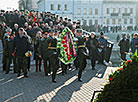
[{"x": 39, "y": 88}]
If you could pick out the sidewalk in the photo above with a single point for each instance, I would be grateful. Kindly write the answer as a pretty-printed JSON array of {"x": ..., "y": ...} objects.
[{"x": 38, "y": 88}]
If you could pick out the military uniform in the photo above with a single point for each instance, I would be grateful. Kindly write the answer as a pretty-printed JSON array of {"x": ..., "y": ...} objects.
[
  {"x": 8, "y": 48},
  {"x": 53, "y": 57},
  {"x": 5, "y": 53},
  {"x": 80, "y": 61},
  {"x": 43, "y": 48}
]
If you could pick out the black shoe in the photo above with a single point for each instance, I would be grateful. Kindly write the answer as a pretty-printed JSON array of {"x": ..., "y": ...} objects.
[
  {"x": 79, "y": 80},
  {"x": 46, "y": 74},
  {"x": 7, "y": 73},
  {"x": 14, "y": 72},
  {"x": 26, "y": 76},
  {"x": 18, "y": 75},
  {"x": 93, "y": 68},
  {"x": 54, "y": 81}
]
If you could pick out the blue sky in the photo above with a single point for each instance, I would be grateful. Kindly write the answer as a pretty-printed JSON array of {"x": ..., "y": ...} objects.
[{"x": 8, "y": 3}]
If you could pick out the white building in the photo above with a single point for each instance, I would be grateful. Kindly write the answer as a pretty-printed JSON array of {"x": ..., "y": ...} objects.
[
  {"x": 86, "y": 11},
  {"x": 28, "y": 4},
  {"x": 60, "y": 7},
  {"x": 119, "y": 12},
  {"x": 102, "y": 12}
]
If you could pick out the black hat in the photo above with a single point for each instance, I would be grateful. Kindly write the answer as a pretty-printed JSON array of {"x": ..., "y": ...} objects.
[
  {"x": 35, "y": 24},
  {"x": 74, "y": 22},
  {"x": 69, "y": 19},
  {"x": 102, "y": 33},
  {"x": 66, "y": 18}
]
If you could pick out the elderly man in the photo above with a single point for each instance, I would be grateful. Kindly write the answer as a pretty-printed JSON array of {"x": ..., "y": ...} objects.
[{"x": 21, "y": 45}]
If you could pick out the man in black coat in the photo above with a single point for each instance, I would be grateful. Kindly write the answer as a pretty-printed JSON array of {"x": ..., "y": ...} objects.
[
  {"x": 124, "y": 46},
  {"x": 22, "y": 45},
  {"x": 92, "y": 45}
]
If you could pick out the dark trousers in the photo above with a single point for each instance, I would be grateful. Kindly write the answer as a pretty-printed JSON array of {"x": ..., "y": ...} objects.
[
  {"x": 7, "y": 63},
  {"x": 46, "y": 67},
  {"x": 102, "y": 56},
  {"x": 4, "y": 63},
  {"x": 21, "y": 65},
  {"x": 123, "y": 56},
  {"x": 64, "y": 68},
  {"x": 82, "y": 66},
  {"x": 93, "y": 63},
  {"x": 28, "y": 63},
  {"x": 54, "y": 65},
  {"x": 38, "y": 62}
]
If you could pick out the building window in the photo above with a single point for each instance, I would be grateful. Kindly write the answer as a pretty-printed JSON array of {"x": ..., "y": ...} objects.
[
  {"x": 52, "y": 6},
  {"x": 113, "y": 21},
  {"x": 96, "y": 11},
  {"x": 119, "y": 10},
  {"x": 125, "y": 10},
  {"x": 66, "y": 7},
  {"x": 114, "y": 10},
  {"x": 96, "y": 22},
  {"x": 79, "y": 11},
  {"x": 84, "y": 22},
  {"x": 84, "y": 11},
  {"x": 131, "y": 10},
  {"x": 125, "y": 21},
  {"x": 108, "y": 21},
  {"x": 59, "y": 7},
  {"x": 108, "y": 11},
  {"x": 131, "y": 21},
  {"x": 90, "y": 11},
  {"x": 119, "y": 21},
  {"x": 90, "y": 22}
]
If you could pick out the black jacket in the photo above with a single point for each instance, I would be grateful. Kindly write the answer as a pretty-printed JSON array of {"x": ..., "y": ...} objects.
[
  {"x": 92, "y": 45},
  {"x": 124, "y": 45},
  {"x": 21, "y": 45}
]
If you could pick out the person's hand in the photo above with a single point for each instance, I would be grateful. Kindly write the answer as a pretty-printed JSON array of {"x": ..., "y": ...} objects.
[{"x": 102, "y": 46}]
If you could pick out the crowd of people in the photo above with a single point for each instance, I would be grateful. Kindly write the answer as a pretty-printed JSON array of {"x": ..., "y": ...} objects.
[{"x": 23, "y": 33}]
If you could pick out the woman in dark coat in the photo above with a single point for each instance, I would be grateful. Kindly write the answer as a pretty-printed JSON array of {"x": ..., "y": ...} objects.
[
  {"x": 37, "y": 56},
  {"x": 92, "y": 45}
]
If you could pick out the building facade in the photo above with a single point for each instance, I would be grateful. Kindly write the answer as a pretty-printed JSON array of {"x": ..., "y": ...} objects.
[
  {"x": 28, "y": 4},
  {"x": 116, "y": 13},
  {"x": 94, "y": 12}
]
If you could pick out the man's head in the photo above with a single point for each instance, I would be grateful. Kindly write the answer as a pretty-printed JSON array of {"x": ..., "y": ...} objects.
[
  {"x": 8, "y": 31},
  {"x": 16, "y": 25},
  {"x": 123, "y": 35},
  {"x": 92, "y": 34},
  {"x": 102, "y": 34},
  {"x": 135, "y": 36},
  {"x": 21, "y": 31}
]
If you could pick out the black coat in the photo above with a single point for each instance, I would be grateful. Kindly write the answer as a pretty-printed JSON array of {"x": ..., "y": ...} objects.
[
  {"x": 43, "y": 48},
  {"x": 124, "y": 45},
  {"x": 92, "y": 45},
  {"x": 22, "y": 45},
  {"x": 36, "y": 49}
]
